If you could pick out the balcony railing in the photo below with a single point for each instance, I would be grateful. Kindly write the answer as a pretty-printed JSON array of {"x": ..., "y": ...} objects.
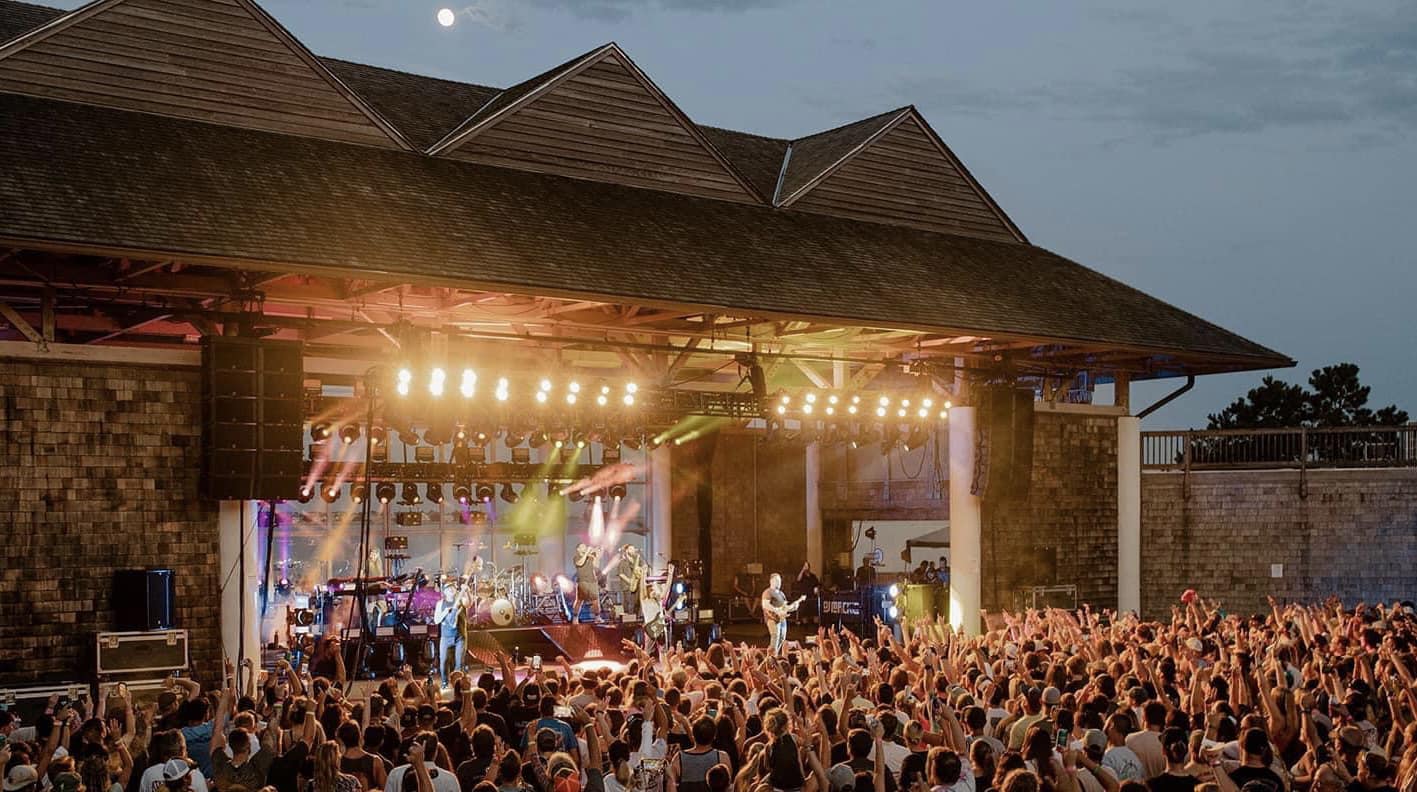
[{"x": 1305, "y": 449}]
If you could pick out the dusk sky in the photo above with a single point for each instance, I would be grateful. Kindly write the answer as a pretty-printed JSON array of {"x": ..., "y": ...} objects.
[{"x": 1254, "y": 163}]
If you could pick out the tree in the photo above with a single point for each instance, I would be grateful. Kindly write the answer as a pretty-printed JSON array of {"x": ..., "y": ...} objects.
[{"x": 1334, "y": 397}]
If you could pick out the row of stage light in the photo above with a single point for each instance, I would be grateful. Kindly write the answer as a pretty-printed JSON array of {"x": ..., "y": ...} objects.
[
  {"x": 465, "y": 494},
  {"x": 437, "y": 383}
]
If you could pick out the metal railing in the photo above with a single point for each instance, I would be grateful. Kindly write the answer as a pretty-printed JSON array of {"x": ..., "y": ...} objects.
[{"x": 1305, "y": 449}]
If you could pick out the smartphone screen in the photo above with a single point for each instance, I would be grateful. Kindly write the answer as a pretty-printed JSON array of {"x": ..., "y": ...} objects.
[
  {"x": 1060, "y": 739},
  {"x": 536, "y": 662}
]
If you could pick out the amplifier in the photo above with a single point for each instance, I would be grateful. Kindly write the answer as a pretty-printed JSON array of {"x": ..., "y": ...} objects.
[
  {"x": 30, "y": 701},
  {"x": 142, "y": 652}
]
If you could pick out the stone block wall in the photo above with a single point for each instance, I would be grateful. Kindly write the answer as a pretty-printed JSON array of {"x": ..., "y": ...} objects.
[
  {"x": 1354, "y": 535},
  {"x": 1064, "y": 530},
  {"x": 99, "y": 470}
]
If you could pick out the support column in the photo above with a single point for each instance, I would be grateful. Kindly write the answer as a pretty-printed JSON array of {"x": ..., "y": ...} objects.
[
  {"x": 237, "y": 622},
  {"x": 814, "y": 507},
  {"x": 1128, "y": 514},
  {"x": 966, "y": 523},
  {"x": 661, "y": 499}
]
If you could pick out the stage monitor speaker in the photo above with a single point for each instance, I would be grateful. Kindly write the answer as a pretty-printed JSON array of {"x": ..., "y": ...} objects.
[
  {"x": 253, "y": 444},
  {"x": 143, "y": 599},
  {"x": 1004, "y": 464}
]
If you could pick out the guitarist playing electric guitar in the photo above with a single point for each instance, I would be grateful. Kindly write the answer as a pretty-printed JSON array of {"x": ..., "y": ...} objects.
[{"x": 775, "y": 611}]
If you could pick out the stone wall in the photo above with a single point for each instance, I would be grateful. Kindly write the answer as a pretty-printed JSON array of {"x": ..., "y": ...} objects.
[
  {"x": 1064, "y": 531},
  {"x": 758, "y": 503},
  {"x": 1354, "y": 535},
  {"x": 98, "y": 472}
]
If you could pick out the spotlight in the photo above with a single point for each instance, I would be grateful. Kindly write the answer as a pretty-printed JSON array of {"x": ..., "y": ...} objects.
[
  {"x": 410, "y": 495},
  {"x": 782, "y": 409},
  {"x": 786, "y": 398},
  {"x": 927, "y": 403},
  {"x": 894, "y": 590},
  {"x": 944, "y": 414},
  {"x": 832, "y": 399},
  {"x": 539, "y": 438},
  {"x": 513, "y": 438},
  {"x": 880, "y": 412},
  {"x": 851, "y": 409},
  {"x": 617, "y": 491},
  {"x": 469, "y": 383},
  {"x": 329, "y": 493},
  {"x": 408, "y": 436},
  {"x": 357, "y": 493},
  {"x": 579, "y": 439},
  {"x": 885, "y": 401},
  {"x": 319, "y": 431},
  {"x": 678, "y": 587},
  {"x": 570, "y": 398},
  {"x": 631, "y": 387},
  {"x": 601, "y": 400},
  {"x": 509, "y": 493},
  {"x": 462, "y": 494},
  {"x": 485, "y": 492},
  {"x": 923, "y": 413},
  {"x": 376, "y": 435},
  {"x": 481, "y": 439},
  {"x": 546, "y": 385},
  {"x": 541, "y": 397},
  {"x": 404, "y": 378},
  {"x": 900, "y": 413},
  {"x": 811, "y": 398},
  {"x": 384, "y": 492},
  {"x": 807, "y": 408},
  {"x": 629, "y": 400},
  {"x": 306, "y": 493},
  {"x": 436, "y": 377},
  {"x": 893, "y": 613},
  {"x": 435, "y": 492},
  {"x": 632, "y": 441},
  {"x": 349, "y": 433},
  {"x": 574, "y": 387}
]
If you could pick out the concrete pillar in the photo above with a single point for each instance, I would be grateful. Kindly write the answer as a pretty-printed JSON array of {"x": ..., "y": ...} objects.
[
  {"x": 661, "y": 501},
  {"x": 1128, "y": 514},
  {"x": 233, "y": 525},
  {"x": 814, "y": 507},
  {"x": 966, "y": 522}
]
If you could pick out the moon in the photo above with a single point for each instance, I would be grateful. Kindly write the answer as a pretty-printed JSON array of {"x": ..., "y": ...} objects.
[{"x": 446, "y": 17}]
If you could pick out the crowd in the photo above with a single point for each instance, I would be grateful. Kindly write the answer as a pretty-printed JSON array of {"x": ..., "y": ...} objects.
[{"x": 1301, "y": 698}]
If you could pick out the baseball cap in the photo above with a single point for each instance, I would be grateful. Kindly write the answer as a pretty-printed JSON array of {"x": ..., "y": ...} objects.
[
  {"x": 1352, "y": 736},
  {"x": 21, "y": 776},
  {"x": 175, "y": 769},
  {"x": 1051, "y": 696},
  {"x": 1094, "y": 738},
  {"x": 67, "y": 782}
]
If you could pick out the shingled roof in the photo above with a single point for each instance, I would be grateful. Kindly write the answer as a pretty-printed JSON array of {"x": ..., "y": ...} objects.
[
  {"x": 178, "y": 187},
  {"x": 183, "y": 188}
]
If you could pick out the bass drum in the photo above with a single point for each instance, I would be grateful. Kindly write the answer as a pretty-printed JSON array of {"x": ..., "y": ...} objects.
[{"x": 503, "y": 612}]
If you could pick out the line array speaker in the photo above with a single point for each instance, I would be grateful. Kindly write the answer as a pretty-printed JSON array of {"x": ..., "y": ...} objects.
[
  {"x": 1004, "y": 454},
  {"x": 254, "y": 418}
]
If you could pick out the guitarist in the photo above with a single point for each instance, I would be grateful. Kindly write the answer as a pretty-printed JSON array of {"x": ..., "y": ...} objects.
[
  {"x": 587, "y": 581},
  {"x": 776, "y": 610}
]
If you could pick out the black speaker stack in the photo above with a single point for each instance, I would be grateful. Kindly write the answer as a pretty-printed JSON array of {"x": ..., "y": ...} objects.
[
  {"x": 143, "y": 599},
  {"x": 1004, "y": 456},
  {"x": 253, "y": 441}
]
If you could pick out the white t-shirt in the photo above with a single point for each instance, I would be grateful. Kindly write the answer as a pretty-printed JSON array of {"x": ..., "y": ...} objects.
[
  {"x": 152, "y": 780},
  {"x": 443, "y": 781},
  {"x": 964, "y": 784},
  {"x": 895, "y": 755},
  {"x": 1124, "y": 763}
]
